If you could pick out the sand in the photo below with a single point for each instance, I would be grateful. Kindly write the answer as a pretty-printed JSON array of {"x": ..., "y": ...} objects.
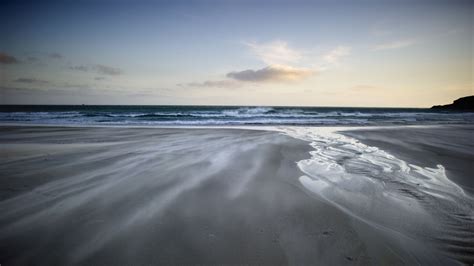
[
  {"x": 450, "y": 145},
  {"x": 134, "y": 196}
]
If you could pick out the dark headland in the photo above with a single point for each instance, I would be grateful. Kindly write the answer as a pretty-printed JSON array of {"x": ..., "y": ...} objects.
[{"x": 461, "y": 104}]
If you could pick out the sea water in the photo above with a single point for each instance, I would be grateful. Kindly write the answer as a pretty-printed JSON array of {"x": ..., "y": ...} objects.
[{"x": 226, "y": 115}]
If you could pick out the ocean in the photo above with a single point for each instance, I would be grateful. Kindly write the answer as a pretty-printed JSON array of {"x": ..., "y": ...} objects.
[{"x": 225, "y": 115}]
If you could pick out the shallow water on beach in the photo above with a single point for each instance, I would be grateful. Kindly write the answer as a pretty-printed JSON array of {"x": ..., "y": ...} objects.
[{"x": 419, "y": 205}]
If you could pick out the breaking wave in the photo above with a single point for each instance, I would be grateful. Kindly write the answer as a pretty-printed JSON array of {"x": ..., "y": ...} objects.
[{"x": 225, "y": 115}]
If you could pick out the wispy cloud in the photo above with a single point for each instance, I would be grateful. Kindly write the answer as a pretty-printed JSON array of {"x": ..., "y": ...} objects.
[
  {"x": 100, "y": 69},
  {"x": 214, "y": 84},
  {"x": 271, "y": 74},
  {"x": 396, "y": 44},
  {"x": 31, "y": 81},
  {"x": 7, "y": 59},
  {"x": 108, "y": 70},
  {"x": 336, "y": 54},
  {"x": 276, "y": 52},
  {"x": 79, "y": 68}
]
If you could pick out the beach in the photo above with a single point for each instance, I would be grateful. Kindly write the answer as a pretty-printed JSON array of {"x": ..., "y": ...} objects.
[
  {"x": 450, "y": 145},
  {"x": 291, "y": 195},
  {"x": 230, "y": 133}
]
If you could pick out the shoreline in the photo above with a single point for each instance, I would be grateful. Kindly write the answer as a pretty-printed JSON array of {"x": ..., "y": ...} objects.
[{"x": 243, "y": 127}]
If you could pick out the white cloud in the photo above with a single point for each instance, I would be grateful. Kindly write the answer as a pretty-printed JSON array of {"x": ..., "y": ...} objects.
[
  {"x": 276, "y": 52},
  {"x": 271, "y": 74},
  {"x": 280, "y": 61}
]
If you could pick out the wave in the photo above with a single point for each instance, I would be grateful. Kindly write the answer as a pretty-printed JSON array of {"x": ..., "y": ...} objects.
[{"x": 235, "y": 116}]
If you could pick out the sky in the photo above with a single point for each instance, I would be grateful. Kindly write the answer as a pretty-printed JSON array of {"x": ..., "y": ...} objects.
[{"x": 277, "y": 53}]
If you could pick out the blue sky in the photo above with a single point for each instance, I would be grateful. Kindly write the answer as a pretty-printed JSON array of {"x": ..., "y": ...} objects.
[{"x": 322, "y": 53}]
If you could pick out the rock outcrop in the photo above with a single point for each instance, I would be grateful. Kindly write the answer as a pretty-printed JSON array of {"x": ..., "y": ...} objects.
[{"x": 461, "y": 104}]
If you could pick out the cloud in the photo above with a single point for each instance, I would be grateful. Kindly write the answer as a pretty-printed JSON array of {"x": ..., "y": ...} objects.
[
  {"x": 99, "y": 78},
  {"x": 31, "y": 81},
  {"x": 7, "y": 59},
  {"x": 395, "y": 44},
  {"x": 79, "y": 68},
  {"x": 100, "y": 69},
  {"x": 271, "y": 74},
  {"x": 276, "y": 52},
  {"x": 280, "y": 60},
  {"x": 335, "y": 55},
  {"x": 214, "y": 84},
  {"x": 55, "y": 55},
  {"x": 107, "y": 70}
]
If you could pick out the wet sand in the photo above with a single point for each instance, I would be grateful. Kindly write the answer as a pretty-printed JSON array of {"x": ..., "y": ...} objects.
[
  {"x": 449, "y": 145},
  {"x": 122, "y": 196},
  {"x": 162, "y": 196}
]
